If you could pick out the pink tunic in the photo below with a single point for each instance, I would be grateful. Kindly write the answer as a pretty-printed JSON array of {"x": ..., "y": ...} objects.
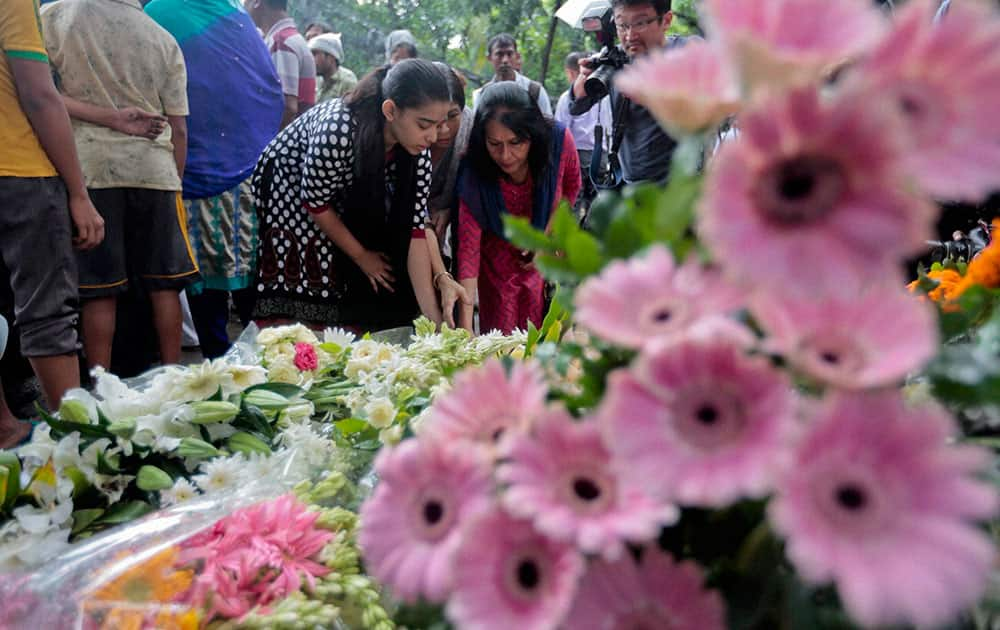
[{"x": 509, "y": 295}]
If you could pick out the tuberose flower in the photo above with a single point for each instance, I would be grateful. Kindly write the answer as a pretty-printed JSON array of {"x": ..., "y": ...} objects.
[
  {"x": 812, "y": 198},
  {"x": 699, "y": 422},
  {"x": 486, "y": 404},
  {"x": 782, "y": 43},
  {"x": 944, "y": 80},
  {"x": 872, "y": 339},
  {"x": 560, "y": 477},
  {"x": 635, "y": 301},
  {"x": 881, "y": 505},
  {"x": 410, "y": 527},
  {"x": 507, "y": 575},
  {"x": 688, "y": 89},
  {"x": 655, "y": 592}
]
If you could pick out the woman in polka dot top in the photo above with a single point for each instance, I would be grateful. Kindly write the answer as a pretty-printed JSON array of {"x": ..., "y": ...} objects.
[{"x": 341, "y": 196}]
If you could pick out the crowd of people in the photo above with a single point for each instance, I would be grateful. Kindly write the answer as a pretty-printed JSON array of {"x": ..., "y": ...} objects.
[{"x": 230, "y": 164}]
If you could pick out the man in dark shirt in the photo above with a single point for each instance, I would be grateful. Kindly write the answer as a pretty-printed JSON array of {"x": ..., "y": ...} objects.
[{"x": 646, "y": 149}]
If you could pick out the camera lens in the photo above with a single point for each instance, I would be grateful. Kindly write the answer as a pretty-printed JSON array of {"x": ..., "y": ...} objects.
[{"x": 597, "y": 83}]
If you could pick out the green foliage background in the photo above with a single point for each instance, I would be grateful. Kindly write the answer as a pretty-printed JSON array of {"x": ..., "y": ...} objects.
[{"x": 456, "y": 31}]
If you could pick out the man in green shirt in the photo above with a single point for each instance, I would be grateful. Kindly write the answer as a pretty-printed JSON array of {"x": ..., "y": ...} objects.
[{"x": 336, "y": 80}]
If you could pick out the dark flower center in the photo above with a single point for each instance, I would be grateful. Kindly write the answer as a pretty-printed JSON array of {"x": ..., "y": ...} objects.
[
  {"x": 433, "y": 512},
  {"x": 497, "y": 435},
  {"x": 800, "y": 190},
  {"x": 528, "y": 575},
  {"x": 662, "y": 316},
  {"x": 830, "y": 357},
  {"x": 707, "y": 414},
  {"x": 910, "y": 106},
  {"x": 586, "y": 489},
  {"x": 851, "y": 497}
]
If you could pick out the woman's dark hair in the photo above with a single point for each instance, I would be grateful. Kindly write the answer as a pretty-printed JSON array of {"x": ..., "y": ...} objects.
[
  {"x": 509, "y": 104},
  {"x": 410, "y": 83},
  {"x": 456, "y": 83}
]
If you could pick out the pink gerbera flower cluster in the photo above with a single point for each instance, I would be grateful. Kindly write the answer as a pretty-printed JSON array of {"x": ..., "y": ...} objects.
[{"x": 256, "y": 556}]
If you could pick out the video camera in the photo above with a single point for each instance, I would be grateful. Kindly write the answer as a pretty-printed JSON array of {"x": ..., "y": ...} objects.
[{"x": 600, "y": 20}]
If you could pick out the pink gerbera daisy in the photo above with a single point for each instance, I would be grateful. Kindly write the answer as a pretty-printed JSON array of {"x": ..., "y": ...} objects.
[
  {"x": 699, "y": 422},
  {"x": 507, "y": 575},
  {"x": 654, "y": 594},
  {"x": 782, "y": 43},
  {"x": 635, "y": 301},
  {"x": 689, "y": 89},
  {"x": 485, "y": 403},
  {"x": 880, "y": 504},
  {"x": 560, "y": 476},
  {"x": 811, "y": 197},
  {"x": 256, "y": 556},
  {"x": 868, "y": 340},
  {"x": 945, "y": 80},
  {"x": 410, "y": 527}
]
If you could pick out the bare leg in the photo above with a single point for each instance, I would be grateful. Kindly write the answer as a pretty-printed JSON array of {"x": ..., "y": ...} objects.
[
  {"x": 12, "y": 430},
  {"x": 56, "y": 374},
  {"x": 98, "y": 331},
  {"x": 167, "y": 318}
]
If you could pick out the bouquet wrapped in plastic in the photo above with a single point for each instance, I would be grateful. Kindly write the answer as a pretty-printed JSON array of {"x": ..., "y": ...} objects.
[{"x": 258, "y": 557}]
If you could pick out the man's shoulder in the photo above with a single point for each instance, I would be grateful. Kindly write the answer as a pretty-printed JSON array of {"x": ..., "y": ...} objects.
[{"x": 348, "y": 74}]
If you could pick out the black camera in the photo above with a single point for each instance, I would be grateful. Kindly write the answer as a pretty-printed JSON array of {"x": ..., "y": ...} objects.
[{"x": 609, "y": 60}]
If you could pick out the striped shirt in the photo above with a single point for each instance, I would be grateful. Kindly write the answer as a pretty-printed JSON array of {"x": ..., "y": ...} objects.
[{"x": 294, "y": 61}]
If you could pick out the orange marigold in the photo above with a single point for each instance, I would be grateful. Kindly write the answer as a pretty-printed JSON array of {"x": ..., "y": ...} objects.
[
  {"x": 948, "y": 281},
  {"x": 984, "y": 269}
]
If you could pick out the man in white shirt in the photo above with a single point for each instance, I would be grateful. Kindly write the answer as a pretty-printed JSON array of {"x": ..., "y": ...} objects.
[{"x": 502, "y": 52}]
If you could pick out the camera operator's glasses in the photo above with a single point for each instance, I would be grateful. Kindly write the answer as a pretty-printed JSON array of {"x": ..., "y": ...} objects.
[{"x": 636, "y": 27}]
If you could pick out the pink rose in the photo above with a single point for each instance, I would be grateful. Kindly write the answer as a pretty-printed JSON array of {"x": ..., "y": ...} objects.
[{"x": 305, "y": 357}]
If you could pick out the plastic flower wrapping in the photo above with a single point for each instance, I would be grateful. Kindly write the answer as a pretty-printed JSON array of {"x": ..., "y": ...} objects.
[{"x": 261, "y": 556}]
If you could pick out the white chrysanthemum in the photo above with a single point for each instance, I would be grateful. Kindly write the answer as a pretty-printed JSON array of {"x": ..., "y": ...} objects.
[
  {"x": 380, "y": 413},
  {"x": 315, "y": 449},
  {"x": 182, "y": 490},
  {"x": 245, "y": 376},
  {"x": 338, "y": 336},
  {"x": 358, "y": 366},
  {"x": 200, "y": 382},
  {"x": 219, "y": 474}
]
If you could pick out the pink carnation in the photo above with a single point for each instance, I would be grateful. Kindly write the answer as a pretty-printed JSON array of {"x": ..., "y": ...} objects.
[
  {"x": 305, "y": 357},
  {"x": 689, "y": 89},
  {"x": 656, "y": 592},
  {"x": 880, "y": 504},
  {"x": 699, "y": 422},
  {"x": 560, "y": 476},
  {"x": 781, "y": 43},
  {"x": 256, "y": 556},
  {"x": 410, "y": 527},
  {"x": 507, "y": 575},
  {"x": 635, "y": 301},
  {"x": 812, "y": 197},
  {"x": 486, "y": 404},
  {"x": 869, "y": 340},
  {"x": 944, "y": 79}
]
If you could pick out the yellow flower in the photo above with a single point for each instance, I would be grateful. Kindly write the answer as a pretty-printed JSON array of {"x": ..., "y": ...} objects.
[{"x": 129, "y": 601}]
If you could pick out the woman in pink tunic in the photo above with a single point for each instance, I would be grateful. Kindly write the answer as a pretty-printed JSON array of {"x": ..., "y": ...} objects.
[{"x": 520, "y": 163}]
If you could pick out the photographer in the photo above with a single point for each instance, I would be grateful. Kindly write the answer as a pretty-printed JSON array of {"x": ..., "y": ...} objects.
[{"x": 646, "y": 149}]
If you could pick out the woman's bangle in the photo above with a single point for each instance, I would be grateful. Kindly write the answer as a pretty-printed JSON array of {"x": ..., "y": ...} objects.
[{"x": 438, "y": 276}]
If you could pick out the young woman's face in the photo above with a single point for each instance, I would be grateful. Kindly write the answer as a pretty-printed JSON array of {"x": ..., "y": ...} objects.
[
  {"x": 449, "y": 130},
  {"x": 509, "y": 151},
  {"x": 416, "y": 128}
]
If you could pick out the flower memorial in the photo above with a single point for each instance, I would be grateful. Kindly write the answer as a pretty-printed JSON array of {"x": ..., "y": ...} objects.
[
  {"x": 764, "y": 425},
  {"x": 300, "y": 405}
]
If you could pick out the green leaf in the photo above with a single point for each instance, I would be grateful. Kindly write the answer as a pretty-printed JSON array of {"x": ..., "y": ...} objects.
[
  {"x": 252, "y": 418},
  {"x": 584, "y": 253},
  {"x": 369, "y": 445},
  {"x": 520, "y": 232},
  {"x": 675, "y": 210},
  {"x": 564, "y": 225},
  {"x": 124, "y": 512},
  {"x": 533, "y": 336},
  {"x": 330, "y": 348},
  {"x": 62, "y": 429},
  {"x": 10, "y": 479},
  {"x": 557, "y": 269},
  {"x": 351, "y": 426},
  {"x": 82, "y": 519},
  {"x": 284, "y": 389}
]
